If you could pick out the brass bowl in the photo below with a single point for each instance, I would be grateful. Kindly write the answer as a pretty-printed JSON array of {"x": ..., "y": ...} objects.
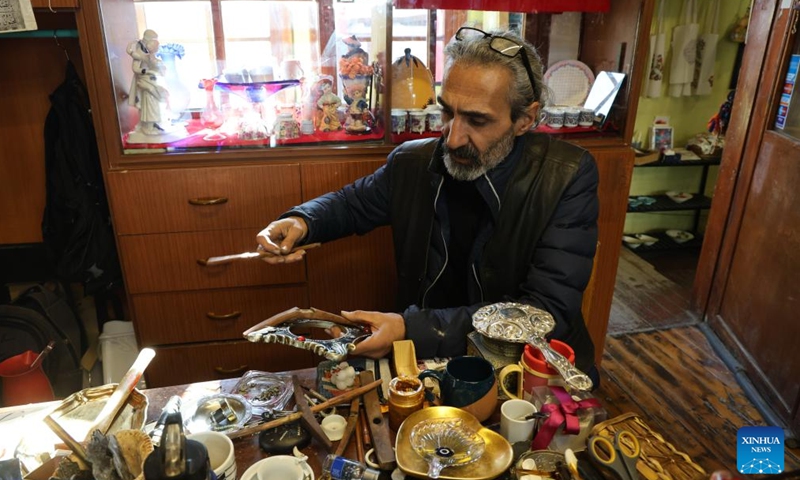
[{"x": 496, "y": 459}]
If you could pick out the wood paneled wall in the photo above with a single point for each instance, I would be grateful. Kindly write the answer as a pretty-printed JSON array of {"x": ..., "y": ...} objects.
[{"x": 32, "y": 69}]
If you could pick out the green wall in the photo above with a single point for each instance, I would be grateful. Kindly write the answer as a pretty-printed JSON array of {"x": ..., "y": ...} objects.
[{"x": 687, "y": 115}]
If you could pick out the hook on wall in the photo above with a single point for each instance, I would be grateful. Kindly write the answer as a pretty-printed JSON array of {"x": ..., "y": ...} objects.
[
  {"x": 55, "y": 37},
  {"x": 50, "y": 6}
]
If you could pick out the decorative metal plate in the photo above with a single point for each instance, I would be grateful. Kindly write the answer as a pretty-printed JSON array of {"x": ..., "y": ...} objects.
[
  {"x": 78, "y": 412},
  {"x": 335, "y": 349},
  {"x": 512, "y": 322}
]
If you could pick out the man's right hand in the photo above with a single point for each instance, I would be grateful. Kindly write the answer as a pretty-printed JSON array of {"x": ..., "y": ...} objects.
[{"x": 280, "y": 237}]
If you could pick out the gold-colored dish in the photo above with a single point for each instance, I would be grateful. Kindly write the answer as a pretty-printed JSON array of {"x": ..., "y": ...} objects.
[
  {"x": 78, "y": 412},
  {"x": 496, "y": 458}
]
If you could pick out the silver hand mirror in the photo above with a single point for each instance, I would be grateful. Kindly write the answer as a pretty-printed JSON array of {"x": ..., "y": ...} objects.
[{"x": 522, "y": 323}]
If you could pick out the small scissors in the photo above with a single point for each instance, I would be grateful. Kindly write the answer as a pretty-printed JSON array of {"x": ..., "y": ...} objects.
[{"x": 619, "y": 457}]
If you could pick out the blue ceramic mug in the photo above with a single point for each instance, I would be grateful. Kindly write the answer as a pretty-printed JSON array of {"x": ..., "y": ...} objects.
[{"x": 467, "y": 383}]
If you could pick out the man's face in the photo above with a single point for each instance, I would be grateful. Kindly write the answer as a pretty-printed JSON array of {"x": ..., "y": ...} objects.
[{"x": 477, "y": 126}]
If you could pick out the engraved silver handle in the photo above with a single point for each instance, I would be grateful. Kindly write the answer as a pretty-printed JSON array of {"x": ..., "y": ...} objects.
[{"x": 572, "y": 376}]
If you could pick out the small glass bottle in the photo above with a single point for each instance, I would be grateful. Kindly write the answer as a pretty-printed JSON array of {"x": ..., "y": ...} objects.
[
  {"x": 341, "y": 468},
  {"x": 406, "y": 395}
]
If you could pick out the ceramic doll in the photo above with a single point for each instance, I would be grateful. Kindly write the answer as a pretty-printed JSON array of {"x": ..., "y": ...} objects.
[
  {"x": 357, "y": 110},
  {"x": 328, "y": 103}
]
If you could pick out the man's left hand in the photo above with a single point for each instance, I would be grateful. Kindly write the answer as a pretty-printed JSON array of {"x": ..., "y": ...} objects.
[{"x": 386, "y": 329}]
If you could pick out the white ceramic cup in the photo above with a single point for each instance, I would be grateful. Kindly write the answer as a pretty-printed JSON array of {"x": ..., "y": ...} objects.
[
  {"x": 416, "y": 119},
  {"x": 399, "y": 118},
  {"x": 554, "y": 117},
  {"x": 333, "y": 427},
  {"x": 571, "y": 117},
  {"x": 513, "y": 427},
  {"x": 586, "y": 118},
  {"x": 220, "y": 453},
  {"x": 280, "y": 467}
]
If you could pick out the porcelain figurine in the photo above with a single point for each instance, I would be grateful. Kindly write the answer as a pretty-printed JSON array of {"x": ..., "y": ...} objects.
[
  {"x": 357, "y": 111},
  {"x": 328, "y": 103},
  {"x": 149, "y": 94}
]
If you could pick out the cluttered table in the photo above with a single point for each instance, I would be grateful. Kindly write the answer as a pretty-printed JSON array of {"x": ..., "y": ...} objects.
[
  {"x": 247, "y": 449},
  {"x": 485, "y": 415},
  {"x": 497, "y": 457}
]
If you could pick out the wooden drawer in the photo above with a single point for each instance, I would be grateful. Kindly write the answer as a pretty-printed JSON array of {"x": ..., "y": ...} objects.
[
  {"x": 207, "y": 315},
  {"x": 158, "y": 201},
  {"x": 214, "y": 361},
  {"x": 168, "y": 262}
]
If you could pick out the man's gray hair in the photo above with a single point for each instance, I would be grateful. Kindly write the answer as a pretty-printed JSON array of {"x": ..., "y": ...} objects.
[{"x": 475, "y": 50}]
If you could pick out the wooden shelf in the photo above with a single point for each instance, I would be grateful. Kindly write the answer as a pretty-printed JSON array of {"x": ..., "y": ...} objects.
[
  {"x": 664, "y": 204},
  {"x": 683, "y": 163},
  {"x": 665, "y": 242}
]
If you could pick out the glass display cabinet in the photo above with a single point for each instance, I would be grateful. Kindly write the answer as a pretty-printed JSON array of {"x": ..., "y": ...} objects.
[
  {"x": 215, "y": 116},
  {"x": 264, "y": 74}
]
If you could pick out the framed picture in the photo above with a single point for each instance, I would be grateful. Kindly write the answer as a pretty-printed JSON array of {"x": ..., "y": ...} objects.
[{"x": 661, "y": 138}]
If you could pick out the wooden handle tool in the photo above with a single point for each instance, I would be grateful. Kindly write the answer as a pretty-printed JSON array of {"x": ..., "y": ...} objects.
[
  {"x": 226, "y": 259},
  {"x": 378, "y": 427},
  {"x": 352, "y": 423}
]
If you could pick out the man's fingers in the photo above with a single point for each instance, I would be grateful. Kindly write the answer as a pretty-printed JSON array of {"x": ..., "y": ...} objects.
[
  {"x": 370, "y": 347},
  {"x": 359, "y": 316},
  {"x": 334, "y": 331}
]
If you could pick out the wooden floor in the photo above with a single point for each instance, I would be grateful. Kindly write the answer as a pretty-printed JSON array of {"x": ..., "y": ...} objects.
[{"x": 658, "y": 364}]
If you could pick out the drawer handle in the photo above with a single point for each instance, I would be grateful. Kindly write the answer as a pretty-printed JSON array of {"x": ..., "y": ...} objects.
[
  {"x": 208, "y": 201},
  {"x": 227, "y": 371},
  {"x": 224, "y": 316}
]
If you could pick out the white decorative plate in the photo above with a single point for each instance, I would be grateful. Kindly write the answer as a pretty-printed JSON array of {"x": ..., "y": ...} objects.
[{"x": 569, "y": 81}]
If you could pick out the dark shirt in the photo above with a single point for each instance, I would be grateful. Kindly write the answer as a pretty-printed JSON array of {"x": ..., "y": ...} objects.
[{"x": 467, "y": 211}]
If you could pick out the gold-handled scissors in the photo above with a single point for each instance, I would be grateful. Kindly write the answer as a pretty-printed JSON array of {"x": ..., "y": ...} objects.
[{"x": 620, "y": 456}]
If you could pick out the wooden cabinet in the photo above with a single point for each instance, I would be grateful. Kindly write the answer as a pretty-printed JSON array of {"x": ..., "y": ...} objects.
[
  {"x": 218, "y": 360},
  {"x": 55, "y": 4},
  {"x": 356, "y": 272},
  {"x": 206, "y": 315},
  {"x": 615, "y": 166},
  {"x": 177, "y": 202},
  {"x": 201, "y": 199}
]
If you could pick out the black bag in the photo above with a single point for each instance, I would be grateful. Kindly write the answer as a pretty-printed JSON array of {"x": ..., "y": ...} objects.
[
  {"x": 36, "y": 317},
  {"x": 76, "y": 224}
]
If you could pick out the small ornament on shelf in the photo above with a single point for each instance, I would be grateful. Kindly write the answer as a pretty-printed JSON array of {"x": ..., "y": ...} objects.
[
  {"x": 328, "y": 103},
  {"x": 149, "y": 93},
  {"x": 356, "y": 75}
]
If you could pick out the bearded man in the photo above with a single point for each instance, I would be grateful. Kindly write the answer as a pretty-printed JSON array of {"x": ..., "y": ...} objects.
[{"x": 489, "y": 212}]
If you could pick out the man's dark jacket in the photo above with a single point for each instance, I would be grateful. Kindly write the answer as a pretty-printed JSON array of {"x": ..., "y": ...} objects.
[{"x": 537, "y": 249}]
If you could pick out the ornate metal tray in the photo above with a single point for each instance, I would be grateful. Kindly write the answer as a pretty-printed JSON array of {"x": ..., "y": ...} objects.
[
  {"x": 279, "y": 329},
  {"x": 512, "y": 322}
]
